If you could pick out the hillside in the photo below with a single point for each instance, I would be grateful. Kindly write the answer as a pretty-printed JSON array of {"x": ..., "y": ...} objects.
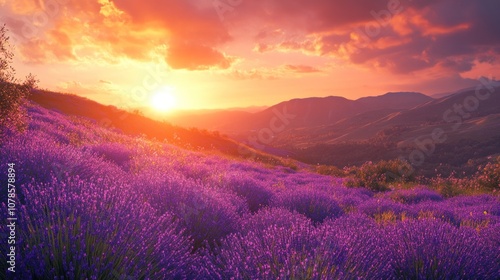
[
  {"x": 419, "y": 120},
  {"x": 215, "y": 120},
  {"x": 341, "y": 132},
  {"x": 91, "y": 202},
  {"x": 306, "y": 112},
  {"x": 242, "y": 140},
  {"x": 472, "y": 135},
  {"x": 135, "y": 124}
]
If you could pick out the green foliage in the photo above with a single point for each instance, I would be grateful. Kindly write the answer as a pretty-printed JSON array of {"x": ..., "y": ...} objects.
[
  {"x": 378, "y": 176},
  {"x": 489, "y": 176},
  {"x": 486, "y": 179},
  {"x": 449, "y": 187},
  {"x": 13, "y": 92},
  {"x": 330, "y": 170}
]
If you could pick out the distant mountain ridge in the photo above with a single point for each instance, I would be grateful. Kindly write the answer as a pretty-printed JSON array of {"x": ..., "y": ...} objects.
[
  {"x": 429, "y": 113},
  {"x": 327, "y": 130},
  {"x": 338, "y": 131},
  {"x": 307, "y": 112},
  {"x": 468, "y": 121}
]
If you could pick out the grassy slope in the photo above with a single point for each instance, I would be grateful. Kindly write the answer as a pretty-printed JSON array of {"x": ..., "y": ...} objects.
[{"x": 134, "y": 124}]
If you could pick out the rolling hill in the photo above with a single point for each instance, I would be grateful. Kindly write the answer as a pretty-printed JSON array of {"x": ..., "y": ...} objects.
[
  {"x": 94, "y": 203},
  {"x": 306, "y": 112},
  {"x": 469, "y": 129},
  {"x": 329, "y": 130},
  {"x": 449, "y": 113},
  {"x": 136, "y": 124},
  {"x": 338, "y": 131}
]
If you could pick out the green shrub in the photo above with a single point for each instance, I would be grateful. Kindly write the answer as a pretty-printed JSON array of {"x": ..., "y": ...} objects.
[
  {"x": 488, "y": 177},
  {"x": 377, "y": 176},
  {"x": 330, "y": 170}
]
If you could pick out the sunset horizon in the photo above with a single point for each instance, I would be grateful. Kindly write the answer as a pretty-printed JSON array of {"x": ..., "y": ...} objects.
[{"x": 216, "y": 54}]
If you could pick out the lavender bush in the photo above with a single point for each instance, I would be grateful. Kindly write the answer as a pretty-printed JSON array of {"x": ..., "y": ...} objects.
[
  {"x": 256, "y": 193},
  {"x": 268, "y": 217},
  {"x": 277, "y": 253},
  {"x": 314, "y": 204},
  {"x": 80, "y": 229},
  {"x": 430, "y": 249},
  {"x": 414, "y": 196}
]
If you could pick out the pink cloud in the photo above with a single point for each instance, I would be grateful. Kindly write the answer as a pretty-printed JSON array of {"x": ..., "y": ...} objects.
[
  {"x": 301, "y": 68},
  {"x": 196, "y": 57},
  {"x": 401, "y": 36}
]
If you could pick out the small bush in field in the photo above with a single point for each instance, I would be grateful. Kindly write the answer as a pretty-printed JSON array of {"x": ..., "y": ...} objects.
[
  {"x": 414, "y": 196},
  {"x": 314, "y": 204},
  {"x": 207, "y": 215},
  {"x": 362, "y": 240},
  {"x": 449, "y": 187},
  {"x": 377, "y": 176},
  {"x": 330, "y": 170},
  {"x": 273, "y": 216},
  {"x": 489, "y": 176},
  {"x": 256, "y": 193}
]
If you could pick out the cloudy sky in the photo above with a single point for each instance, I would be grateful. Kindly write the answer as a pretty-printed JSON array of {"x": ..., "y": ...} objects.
[{"x": 234, "y": 53}]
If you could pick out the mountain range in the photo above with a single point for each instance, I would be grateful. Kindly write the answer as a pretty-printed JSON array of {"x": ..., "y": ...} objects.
[
  {"x": 329, "y": 130},
  {"x": 307, "y": 112},
  {"x": 337, "y": 131}
]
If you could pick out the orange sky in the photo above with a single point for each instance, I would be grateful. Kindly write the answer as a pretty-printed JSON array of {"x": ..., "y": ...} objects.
[{"x": 237, "y": 53}]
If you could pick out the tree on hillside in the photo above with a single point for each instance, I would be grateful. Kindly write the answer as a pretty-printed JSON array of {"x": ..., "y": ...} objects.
[{"x": 13, "y": 92}]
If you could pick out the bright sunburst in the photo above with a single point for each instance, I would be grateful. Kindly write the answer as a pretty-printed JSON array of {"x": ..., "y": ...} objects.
[{"x": 163, "y": 100}]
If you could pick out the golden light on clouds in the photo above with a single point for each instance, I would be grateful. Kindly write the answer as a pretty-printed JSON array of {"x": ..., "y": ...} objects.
[{"x": 272, "y": 49}]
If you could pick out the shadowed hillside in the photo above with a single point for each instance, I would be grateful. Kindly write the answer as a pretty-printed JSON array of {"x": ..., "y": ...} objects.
[
  {"x": 468, "y": 130},
  {"x": 306, "y": 112},
  {"x": 338, "y": 131}
]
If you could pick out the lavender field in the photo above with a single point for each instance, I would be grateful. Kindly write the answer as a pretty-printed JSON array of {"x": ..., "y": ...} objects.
[{"x": 97, "y": 204}]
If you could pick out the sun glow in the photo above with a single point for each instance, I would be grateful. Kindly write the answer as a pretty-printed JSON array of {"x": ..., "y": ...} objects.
[{"x": 163, "y": 100}]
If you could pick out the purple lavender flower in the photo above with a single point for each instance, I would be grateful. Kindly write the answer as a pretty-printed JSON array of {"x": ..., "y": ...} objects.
[{"x": 314, "y": 204}]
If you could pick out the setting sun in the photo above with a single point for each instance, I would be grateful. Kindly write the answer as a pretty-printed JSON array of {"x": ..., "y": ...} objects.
[{"x": 163, "y": 100}]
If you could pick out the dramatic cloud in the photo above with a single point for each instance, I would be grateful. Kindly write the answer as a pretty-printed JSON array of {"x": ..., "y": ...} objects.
[
  {"x": 69, "y": 29},
  {"x": 402, "y": 36},
  {"x": 399, "y": 35},
  {"x": 196, "y": 57}
]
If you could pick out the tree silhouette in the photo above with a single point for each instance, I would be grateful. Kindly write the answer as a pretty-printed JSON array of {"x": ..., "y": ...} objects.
[{"x": 13, "y": 92}]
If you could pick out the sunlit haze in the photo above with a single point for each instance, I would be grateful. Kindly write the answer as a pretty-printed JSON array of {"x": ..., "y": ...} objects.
[
  {"x": 163, "y": 100},
  {"x": 219, "y": 54}
]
